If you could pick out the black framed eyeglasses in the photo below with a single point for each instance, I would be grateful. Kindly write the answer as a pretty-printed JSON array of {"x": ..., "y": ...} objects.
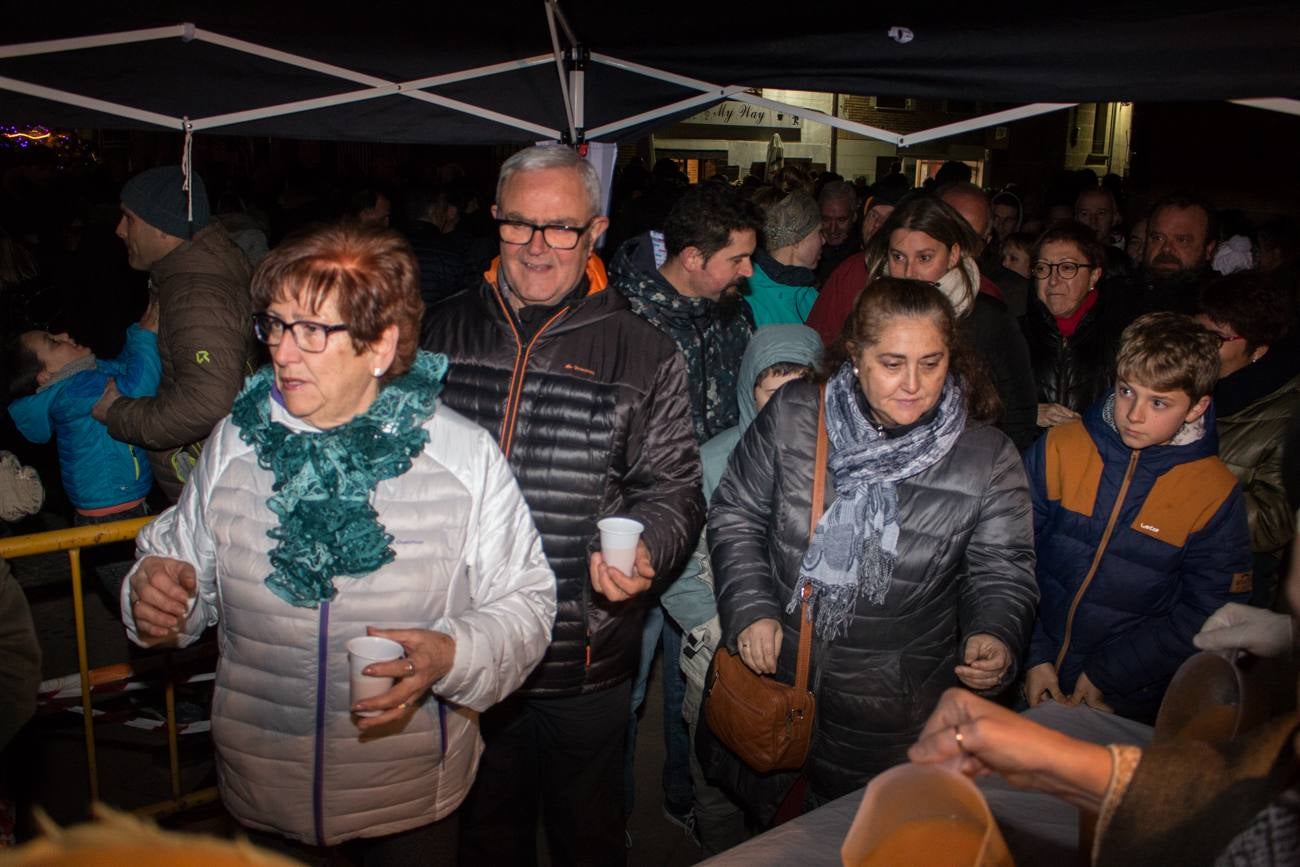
[
  {"x": 1067, "y": 270},
  {"x": 310, "y": 336},
  {"x": 556, "y": 237}
]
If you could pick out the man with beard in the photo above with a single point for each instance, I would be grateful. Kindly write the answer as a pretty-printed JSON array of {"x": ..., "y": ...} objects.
[
  {"x": 685, "y": 281},
  {"x": 1181, "y": 237},
  {"x": 837, "y": 201}
]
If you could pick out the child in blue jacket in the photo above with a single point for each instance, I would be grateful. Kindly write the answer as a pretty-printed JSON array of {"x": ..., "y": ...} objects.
[
  {"x": 105, "y": 479},
  {"x": 1139, "y": 528}
]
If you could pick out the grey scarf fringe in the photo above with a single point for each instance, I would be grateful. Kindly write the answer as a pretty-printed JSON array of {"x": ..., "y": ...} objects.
[{"x": 854, "y": 547}]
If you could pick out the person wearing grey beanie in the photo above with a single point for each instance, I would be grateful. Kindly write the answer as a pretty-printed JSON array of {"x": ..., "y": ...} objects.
[
  {"x": 200, "y": 278},
  {"x": 783, "y": 286}
]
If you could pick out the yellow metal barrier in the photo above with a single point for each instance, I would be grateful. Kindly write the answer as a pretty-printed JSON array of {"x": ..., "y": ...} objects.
[{"x": 73, "y": 540}]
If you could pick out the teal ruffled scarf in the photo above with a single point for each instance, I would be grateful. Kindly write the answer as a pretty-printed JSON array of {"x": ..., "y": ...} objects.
[{"x": 323, "y": 480}]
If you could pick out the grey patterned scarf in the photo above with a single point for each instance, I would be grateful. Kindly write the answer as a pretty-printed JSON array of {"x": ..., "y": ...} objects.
[{"x": 855, "y": 545}]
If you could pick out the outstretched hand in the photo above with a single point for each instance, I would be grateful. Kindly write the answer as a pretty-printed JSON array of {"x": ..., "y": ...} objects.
[{"x": 978, "y": 738}]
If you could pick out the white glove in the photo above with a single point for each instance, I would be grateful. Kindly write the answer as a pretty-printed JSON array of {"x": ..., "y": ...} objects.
[{"x": 1245, "y": 627}]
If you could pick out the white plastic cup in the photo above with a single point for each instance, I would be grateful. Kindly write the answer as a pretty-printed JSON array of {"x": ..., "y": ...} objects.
[
  {"x": 362, "y": 652},
  {"x": 618, "y": 538}
]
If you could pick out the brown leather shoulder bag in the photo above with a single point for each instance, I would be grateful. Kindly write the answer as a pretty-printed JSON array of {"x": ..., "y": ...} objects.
[{"x": 766, "y": 723}]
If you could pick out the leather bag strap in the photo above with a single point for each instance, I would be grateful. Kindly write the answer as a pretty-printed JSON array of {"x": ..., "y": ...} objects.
[{"x": 804, "y": 660}]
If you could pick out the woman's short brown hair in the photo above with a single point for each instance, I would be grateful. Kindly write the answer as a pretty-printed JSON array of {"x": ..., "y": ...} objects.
[
  {"x": 886, "y": 298},
  {"x": 1076, "y": 233},
  {"x": 371, "y": 274},
  {"x": 1169, "y": 352},
  {"x": 1251, "y": 305}
]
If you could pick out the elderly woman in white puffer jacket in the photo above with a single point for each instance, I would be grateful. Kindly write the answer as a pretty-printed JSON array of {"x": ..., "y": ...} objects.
[{"x": 338, "y": 498}]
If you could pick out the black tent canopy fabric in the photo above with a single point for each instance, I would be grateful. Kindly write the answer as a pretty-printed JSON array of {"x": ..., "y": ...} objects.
[{"x": 1104, "y": 50}]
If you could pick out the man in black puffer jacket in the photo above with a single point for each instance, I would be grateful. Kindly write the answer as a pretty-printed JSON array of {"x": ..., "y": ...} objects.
[{"x": 589, "y": 403}]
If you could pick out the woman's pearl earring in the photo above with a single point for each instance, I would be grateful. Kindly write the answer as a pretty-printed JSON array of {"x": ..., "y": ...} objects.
[
  {"x": 856, "y": 372},
  {"x": 379, "y": 371}
]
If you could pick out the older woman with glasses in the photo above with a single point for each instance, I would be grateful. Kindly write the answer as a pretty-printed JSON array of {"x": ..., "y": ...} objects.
[
  {"x": 1072, "y": 327},
  {"x": 340, "y": 499}
]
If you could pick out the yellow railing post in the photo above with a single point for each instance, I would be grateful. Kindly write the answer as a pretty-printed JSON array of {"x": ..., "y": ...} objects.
[
  {"x": 73, "y": 540},
  {"x": 83, "y": 669}
]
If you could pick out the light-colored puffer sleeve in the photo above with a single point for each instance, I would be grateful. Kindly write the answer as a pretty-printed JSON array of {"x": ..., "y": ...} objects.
[
  {"x": 503, "y": 635},
  {"x": 182, "y": 534}
]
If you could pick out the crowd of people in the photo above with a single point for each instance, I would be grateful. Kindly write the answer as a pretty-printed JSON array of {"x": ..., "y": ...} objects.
[{"x": 1053, "y": 439}]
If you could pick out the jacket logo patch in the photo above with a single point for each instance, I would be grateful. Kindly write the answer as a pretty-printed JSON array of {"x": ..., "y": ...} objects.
[
  {"x": 202, "y": 357},
  {"x": 1149, "y": 528},
  {"x": 579, "y": 369},
  {"x": 1242, "y": 582}
]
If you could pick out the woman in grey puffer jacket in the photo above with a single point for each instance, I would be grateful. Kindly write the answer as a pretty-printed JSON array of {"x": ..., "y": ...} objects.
[{"x": 921, "y": 570}]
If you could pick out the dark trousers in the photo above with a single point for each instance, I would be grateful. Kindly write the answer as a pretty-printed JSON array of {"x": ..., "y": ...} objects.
[
  {"x": 427, "y": 846},
  {"x": 562, "y": 755}
]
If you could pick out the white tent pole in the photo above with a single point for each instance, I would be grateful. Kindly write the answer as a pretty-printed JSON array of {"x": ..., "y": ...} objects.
[
  {"x": 1285, "y": 106},
  {"x": 983, "y": 122},
  {"x": 125, "y": 37},
  {"x": 286, "y": 57},
  {"x": 578, "y": 91},
  {"x": 286, "y": 108},
  {"x": 564, "y": 23},
  {"x": 820, "y": 117},
  {"x": 477, "y": 72},
  {"x": 654, "y": 114},
  {"x": 559, "y": 67},
  {"x": 487, "y": 114},
  {"x": 89, "y": 102},
  {"x": 374, "y": 82},
  {"x": 651, "y": 72}
]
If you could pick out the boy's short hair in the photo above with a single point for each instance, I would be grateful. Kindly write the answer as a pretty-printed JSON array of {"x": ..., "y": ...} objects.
[
  {"x": 1169, "y": 352},
  {"x": 1021, "y": 240},
  {"x": 24, "y": 364},
  {"x": 785, "y": 368}
]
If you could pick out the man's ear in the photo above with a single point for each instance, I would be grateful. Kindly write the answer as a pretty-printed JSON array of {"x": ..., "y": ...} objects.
[
  {"x": 1198, "y": 409},
  {"x": 692, "y": 258},
  {"x": 1210, "y": 247}
]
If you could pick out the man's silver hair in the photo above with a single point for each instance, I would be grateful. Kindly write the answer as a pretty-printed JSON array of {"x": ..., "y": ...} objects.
[
  {"x": 557, "y": 156},
  {"x": 838, "y": 190}
]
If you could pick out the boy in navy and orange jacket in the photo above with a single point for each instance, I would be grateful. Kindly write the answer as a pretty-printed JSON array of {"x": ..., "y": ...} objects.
[{"x": 1139, "y": 528}]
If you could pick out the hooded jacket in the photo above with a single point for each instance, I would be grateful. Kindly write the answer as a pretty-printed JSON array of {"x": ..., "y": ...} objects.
[
  {"x": 97, "y": 470},
  {"x": 965, "y": 566},
  {"x": 205, "y": 342},
  {"x": 771, "y": 344},
  {"x": 711, "y": 335},
  {"x": 468, "y": 564},
  {"x": 593, "y": 414},
  {"x": 1136, "y": 548}
]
